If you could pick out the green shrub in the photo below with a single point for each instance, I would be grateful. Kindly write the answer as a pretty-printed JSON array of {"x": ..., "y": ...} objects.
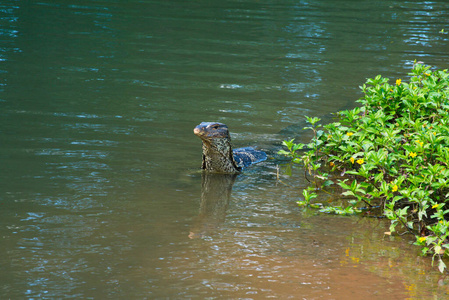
[{"x": 393, "y": 153}]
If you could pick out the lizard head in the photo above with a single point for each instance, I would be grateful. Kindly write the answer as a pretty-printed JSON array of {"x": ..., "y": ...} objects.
[{"x": 207, "y": 131}]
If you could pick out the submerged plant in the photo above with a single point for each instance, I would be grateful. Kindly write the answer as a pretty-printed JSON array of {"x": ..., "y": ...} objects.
[{"x": 393, "y": 153}]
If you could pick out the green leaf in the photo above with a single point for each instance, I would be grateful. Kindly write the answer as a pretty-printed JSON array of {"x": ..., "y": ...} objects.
[
  {"x": 328, "y": 183},
  {"x": 441, "y": 266}
]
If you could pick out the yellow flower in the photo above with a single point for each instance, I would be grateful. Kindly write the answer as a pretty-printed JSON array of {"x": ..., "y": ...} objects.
[
  {"x": 349, "y": 133},
  {"x": 422, "y": 239},
  {"x": 412, "y": 154},
  {"x": 331, "y": 164},
  {"x": 329, "y": 137},
  {"x": 352, "y": 159},
  {"x": 427, "y": 74},
  {"x": 398, "y": 81},
  {"x": 419, "y": 142},
  {"x": 395, "y": 188},
  {"x": 360, "y": 161},
  {"x": 435, "y": 206},
  {"x": 355, "y": 259}
]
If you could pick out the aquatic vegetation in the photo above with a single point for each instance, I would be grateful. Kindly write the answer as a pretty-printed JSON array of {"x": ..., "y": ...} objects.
[{"x": 391, "y": 153}]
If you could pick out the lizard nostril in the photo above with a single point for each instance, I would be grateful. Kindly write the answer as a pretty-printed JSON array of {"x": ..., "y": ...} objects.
[{"x": 196, "y": 130}]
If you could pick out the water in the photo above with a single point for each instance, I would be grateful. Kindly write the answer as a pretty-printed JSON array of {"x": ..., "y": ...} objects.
[{"x": 100, "y": 191}]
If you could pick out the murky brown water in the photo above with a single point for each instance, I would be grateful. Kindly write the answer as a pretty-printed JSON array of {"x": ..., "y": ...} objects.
[{"x": 100, "y": 190}]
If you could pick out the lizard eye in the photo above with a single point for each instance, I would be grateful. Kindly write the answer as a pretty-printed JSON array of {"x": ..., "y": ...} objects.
[{"x": 215, "y": 126}]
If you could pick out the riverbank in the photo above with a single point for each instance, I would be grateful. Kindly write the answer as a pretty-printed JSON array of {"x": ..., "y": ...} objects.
[{"x": 392, "y": 155}]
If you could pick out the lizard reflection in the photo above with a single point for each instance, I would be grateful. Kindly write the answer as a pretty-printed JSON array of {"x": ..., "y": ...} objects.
[{"x": 215, "y": 195}]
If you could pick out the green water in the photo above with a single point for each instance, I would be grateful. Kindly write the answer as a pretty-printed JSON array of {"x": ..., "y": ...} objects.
[{"x": 100, "y": 189}]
